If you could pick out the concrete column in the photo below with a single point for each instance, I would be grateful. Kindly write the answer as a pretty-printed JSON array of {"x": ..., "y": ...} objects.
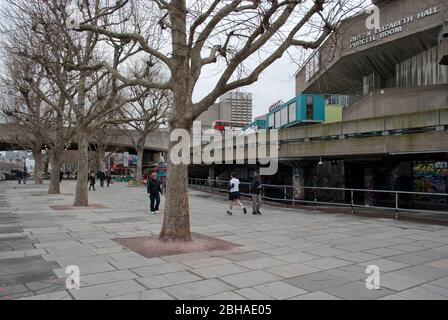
[
  {"x": 298, "y": 182},
  {"x": 211, "y": 172},
  {"x": 369, "y": 197}
]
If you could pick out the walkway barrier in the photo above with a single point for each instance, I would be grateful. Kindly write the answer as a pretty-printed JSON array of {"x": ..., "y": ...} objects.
[{"x": 398, "y": 201}]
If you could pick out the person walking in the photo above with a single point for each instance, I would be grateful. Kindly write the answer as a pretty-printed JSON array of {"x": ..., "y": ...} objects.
[
  {"x": 61, "y": 175},
  {"x": 19, "y": 176},
  {"x": 108, "y": 178},
  {"x": 255, "y": 191},
  {"x": 154, "y": 190},
  {"x": 25, "y": 173},
  {"x": 234, "y": 194},
  {"x": 91, "y": 181},
  {"x": 102, "y": 178}
]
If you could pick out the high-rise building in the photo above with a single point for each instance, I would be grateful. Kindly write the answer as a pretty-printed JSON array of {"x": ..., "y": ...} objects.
[
  {"x": 232, "y": 106},
  {"x": 236, "y": 106}
]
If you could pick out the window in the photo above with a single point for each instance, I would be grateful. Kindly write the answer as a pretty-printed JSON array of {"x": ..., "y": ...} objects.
[
  {"x": 369, "y": 83},
  {"x": 313, "y": 66},
  {"x": 292, "y": 112},
  {"x": 309, "y": 107},
  {"x": 421, "y": 70},
  {"x": 271, "y": 120},
  {"x": 284, "y": 116},
  {"x": 277, "y": 120}
]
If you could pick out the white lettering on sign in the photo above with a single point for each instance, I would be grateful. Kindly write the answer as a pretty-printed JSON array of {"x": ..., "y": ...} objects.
[
  {"x": 389, "y": 29},
  {"x": 428, "y": 12}
]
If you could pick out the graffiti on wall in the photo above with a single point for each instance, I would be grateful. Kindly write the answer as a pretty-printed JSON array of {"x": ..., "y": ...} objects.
[{"x": 430, "y": 176}]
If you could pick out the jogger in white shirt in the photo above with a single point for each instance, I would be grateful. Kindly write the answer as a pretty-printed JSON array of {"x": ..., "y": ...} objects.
[{"x": 234, "y": 194}]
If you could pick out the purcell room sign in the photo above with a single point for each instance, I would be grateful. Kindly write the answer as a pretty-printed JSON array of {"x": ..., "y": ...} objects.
[{"x": 390, "y": 28}]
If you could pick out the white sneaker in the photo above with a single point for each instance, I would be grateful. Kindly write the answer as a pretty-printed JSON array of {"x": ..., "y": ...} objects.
[
  {"x": 153, "y": 212},
  {"x": 157, "y": 211}
]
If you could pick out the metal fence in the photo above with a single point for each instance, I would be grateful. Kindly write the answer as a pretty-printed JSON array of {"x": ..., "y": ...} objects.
[{"x": 404, "y": 201}]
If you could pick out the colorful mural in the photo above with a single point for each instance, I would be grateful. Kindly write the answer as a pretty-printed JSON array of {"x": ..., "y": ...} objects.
[{"x": 430, "y": 176}]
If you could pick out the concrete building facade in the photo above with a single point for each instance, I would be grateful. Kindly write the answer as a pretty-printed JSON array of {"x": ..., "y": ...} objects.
[{"x": 393, "y": 133}]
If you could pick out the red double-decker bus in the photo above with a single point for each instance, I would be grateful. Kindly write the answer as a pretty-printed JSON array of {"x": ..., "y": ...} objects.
[{"x": 222, "y": 125}]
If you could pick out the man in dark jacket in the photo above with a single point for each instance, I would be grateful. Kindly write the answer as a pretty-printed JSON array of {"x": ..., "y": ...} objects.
[
  {"x": 19, "y": 176},
  {"x": 154, "y": 190},
  {"x": 91, "y": 180},
  {"x": 108, "y": 178},
  {"x": 102, "y": 178},
  {"x": 255, "y": 191}
]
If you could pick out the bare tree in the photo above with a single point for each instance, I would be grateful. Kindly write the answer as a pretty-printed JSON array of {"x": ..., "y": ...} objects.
[
  {"x": 103, "y": 136},
  {"x": 26, "y": 114},
  {"x": 71, "y": 63},
  {"x": 146, "y": 111},
  {"x": 239, "y": 38},
  {"x": 23, "y": 40},
  {"x": 225, "y": 33}
]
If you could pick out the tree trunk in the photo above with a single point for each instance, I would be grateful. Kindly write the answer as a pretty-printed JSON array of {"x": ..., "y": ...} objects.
[
  {"x": 55, "y": 161},
  {"x": 81, "y": 194},
  {"x": 38, "y": 166},
  {"x": 176, "y": 220},
  {"x": 139, "y": 169}
]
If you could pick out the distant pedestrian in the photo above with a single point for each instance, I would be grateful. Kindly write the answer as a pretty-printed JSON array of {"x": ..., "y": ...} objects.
[
  {"x": 234, "y": 194},
  {"x": 19, "y": 176},
  {"x": 210, "y": 181},
  {"x": 91, "y": 182},
  {"x": 255, "y": 191},
  {"x": 25, "y": 173},
  {"x": 108, "y": 178},
  {"x": 102, "y": 178},
  {"x": 154, "y": 190},
  {"x": 61, "y": 175}
]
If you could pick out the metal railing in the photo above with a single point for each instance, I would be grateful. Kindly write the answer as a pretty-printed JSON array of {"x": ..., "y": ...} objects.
[{"x": 343, "y": 197}]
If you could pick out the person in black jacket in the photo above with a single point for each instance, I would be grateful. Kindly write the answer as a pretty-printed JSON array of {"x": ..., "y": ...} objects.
[
  {"x": 102, "y": 178},
  {"x": 19, "y": 176},
  {"x": 108, "y": 178},
  {"x": 91, "y": 181},
  {"x": 255, "y": 191},
  {"x": 154, "y": 190}
]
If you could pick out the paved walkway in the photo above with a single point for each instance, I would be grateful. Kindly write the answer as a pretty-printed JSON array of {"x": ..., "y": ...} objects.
[{"x": 283, "y": 254}]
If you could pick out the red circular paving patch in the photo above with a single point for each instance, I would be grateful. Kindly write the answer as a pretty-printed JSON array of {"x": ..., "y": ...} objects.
[
  {"x": 72, "y": 207},
  {"x": 151, "y": 246}
]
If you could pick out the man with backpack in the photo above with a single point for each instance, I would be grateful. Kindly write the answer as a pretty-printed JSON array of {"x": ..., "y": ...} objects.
[{"x": 255, "y": 191}]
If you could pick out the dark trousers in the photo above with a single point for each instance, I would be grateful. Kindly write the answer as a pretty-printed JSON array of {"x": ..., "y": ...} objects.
[
  {"x": 92, "y": 185},
  {"x": 154, "y": 198},
  {"x": 101, "y": 183}
]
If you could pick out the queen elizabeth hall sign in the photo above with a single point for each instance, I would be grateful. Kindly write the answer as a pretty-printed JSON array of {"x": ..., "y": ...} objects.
[{"x": 390, "y": 28}]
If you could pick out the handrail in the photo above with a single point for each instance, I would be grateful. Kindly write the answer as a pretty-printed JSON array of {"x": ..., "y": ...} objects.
[{"x": 212, "y": 184}]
